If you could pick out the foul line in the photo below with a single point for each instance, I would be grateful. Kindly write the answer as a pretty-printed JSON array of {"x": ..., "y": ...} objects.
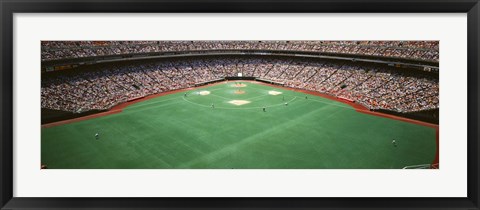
[
  {"x": 237, "y": 108},
  {"x": 220, "y": 96},
  {"x": 255, "y": 97},
  {"x": 156, "y": 102},
  {"x": 148, "y": 108},
  {"x": 346, "y": 107}
]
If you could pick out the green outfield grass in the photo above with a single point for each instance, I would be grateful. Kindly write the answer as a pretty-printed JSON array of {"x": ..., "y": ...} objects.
[{"x": 174, "y": 131}]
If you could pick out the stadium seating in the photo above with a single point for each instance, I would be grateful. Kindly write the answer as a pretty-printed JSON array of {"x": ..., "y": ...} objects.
[
  {"x": 420, "y": 50},
  {"x": 100, "y": 87}
]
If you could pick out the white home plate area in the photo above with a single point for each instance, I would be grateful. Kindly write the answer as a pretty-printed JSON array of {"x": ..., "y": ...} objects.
[
  {"x": 239, "y": 102},
  {"x": 272, "y": 92},
  {"x": 203, "y": 93}
]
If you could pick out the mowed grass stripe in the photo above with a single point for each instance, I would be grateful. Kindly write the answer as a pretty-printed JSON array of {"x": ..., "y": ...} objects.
[
  {"x": 169, "y": 132},
  {"x": 220, "y": 154}
]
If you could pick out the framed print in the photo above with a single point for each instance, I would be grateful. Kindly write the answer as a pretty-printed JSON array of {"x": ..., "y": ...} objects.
[{"x": 255, "y": 105}]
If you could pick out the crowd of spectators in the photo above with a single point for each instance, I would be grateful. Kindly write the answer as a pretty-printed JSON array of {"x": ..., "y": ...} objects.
[
  {"x": 103, "y": 86},
  {"x": 421, "y": 50}
]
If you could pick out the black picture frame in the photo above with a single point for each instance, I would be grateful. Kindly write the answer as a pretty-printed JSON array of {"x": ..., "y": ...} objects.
[{"x": 9, "y": 7}]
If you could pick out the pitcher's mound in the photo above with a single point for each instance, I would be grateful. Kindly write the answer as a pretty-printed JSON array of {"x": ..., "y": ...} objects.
[
  {"x": 239, "y": 92},
  {"x": 239, "y": 85},
  {"x": 239, "y": 102}
]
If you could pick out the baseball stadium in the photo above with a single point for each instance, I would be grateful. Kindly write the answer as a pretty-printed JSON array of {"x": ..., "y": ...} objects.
[{"x": 239, "y": 104}]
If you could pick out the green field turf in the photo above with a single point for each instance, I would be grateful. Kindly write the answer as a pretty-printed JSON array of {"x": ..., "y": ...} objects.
[{"x": 174, "y": 131}]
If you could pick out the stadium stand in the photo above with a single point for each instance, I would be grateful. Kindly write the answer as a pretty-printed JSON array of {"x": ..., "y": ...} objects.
[
  {"x": 101, "y": 86},
  {"x": 419, "y": 50}
]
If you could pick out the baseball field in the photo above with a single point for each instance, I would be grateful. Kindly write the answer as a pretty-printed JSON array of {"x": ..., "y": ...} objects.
[{"x": 239, "y": 125}]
